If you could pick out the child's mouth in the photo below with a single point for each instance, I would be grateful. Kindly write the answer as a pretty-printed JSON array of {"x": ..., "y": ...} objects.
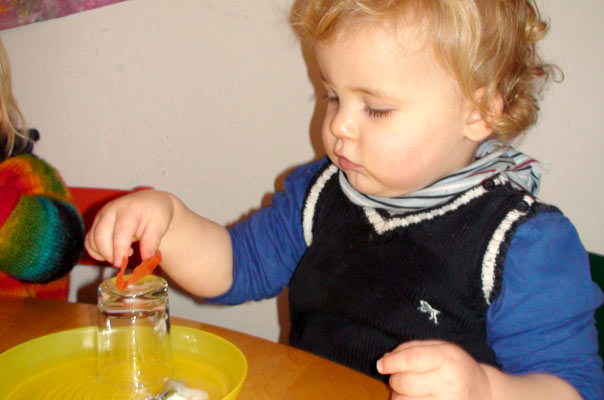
[{"x": 346, "y": 164}]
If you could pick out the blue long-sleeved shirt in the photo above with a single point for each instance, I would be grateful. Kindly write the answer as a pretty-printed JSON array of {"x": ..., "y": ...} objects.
[{"x": 542, "y": 320}]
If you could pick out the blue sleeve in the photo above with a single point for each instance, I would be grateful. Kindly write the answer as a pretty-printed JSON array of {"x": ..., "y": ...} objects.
[
  {"x": 543, "y": 319},
  {"x": 268, "y": 245}
]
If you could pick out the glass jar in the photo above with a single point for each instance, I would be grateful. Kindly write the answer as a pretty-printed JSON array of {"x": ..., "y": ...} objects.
[{"x": 134, "y": 351}]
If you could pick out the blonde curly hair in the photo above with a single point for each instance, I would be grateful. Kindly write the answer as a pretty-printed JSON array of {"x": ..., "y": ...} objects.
[
  {"x": 487, "y": 44},
  {"x": 14, "y": 137}
]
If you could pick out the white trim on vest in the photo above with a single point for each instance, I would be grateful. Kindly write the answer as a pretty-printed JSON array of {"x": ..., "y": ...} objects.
[
  {"x": 490, "y": 258},
  {"x": 382, "y": 225},
  {"x": 311, "y": 202}
]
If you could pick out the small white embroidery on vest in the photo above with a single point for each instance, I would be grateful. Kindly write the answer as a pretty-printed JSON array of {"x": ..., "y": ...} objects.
[{"x": 425, "y": 307}]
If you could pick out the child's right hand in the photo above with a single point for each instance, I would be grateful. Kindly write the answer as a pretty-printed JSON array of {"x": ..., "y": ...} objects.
[
  {"x": 143, "y": 216},
  {"x": 196, "y": 252}
]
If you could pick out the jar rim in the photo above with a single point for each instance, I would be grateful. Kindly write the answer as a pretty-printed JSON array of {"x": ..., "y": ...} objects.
[{"x": 146, "y": 285}]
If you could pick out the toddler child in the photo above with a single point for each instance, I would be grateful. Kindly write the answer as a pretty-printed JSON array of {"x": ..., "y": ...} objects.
[
  {"x": 417, "y": 248},
  {"x": 41, "y": 233}
]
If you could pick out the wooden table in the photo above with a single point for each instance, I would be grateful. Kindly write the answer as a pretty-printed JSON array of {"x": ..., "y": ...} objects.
[{"x": 275, "y": 371}]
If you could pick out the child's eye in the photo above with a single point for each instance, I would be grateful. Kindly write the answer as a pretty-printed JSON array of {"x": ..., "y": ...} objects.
[{"x": 377, "y": 113}]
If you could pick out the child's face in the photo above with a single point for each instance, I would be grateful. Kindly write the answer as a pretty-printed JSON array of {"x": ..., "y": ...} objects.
[{"x": 395, "y": 120}]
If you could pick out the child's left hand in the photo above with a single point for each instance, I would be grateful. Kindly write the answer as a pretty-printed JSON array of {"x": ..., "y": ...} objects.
[{"x": 434, "y": 370}]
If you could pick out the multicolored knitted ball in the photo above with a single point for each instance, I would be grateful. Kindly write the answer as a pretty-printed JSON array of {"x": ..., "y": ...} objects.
[{"x": 41, "y": 233}]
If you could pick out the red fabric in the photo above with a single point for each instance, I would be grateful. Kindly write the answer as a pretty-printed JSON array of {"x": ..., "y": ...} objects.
[
  {"x": 9, "y": 196},
  {"x": 55, "y": 290}
]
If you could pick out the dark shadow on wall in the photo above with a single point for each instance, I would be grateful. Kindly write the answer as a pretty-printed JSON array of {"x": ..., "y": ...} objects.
[
  {"x": 316, "y": 121},
  {"x": 314, "y": 132}
]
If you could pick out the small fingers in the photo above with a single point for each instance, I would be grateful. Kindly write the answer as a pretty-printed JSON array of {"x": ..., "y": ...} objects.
[
  {"x": 143, "y": 216},
  {"x": 150, "y": 239},
  {"x": 111, "y": 235},
  {"x": 412, "y": 385},
  {"x": 92, "y": 250},
  {"x": 412, "y": 357},
  {"x": 123, "y": 234},
  {"x": 97, "y": 243}
]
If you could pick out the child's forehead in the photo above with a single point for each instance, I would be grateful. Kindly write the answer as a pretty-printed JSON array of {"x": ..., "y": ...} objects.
[
  {"x": 381, "y": 56},
  {"x": 410, "y": 30},
  {"x": 403, "y": 38}
]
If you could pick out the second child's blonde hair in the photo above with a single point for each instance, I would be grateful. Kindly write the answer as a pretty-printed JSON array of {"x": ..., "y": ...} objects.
[
  {"x": 487, "y": 44},
  {"x": 13, "y": 134}
]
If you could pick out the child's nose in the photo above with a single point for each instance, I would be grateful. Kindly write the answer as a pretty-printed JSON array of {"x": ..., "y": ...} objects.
[{"x": 342, "y": 127}]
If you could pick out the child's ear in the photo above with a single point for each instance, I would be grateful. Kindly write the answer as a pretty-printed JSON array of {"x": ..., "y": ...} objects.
[{"x": 477, "y": 128}]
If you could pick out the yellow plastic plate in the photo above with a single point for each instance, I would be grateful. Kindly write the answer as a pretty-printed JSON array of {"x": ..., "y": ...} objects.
[{"x": 62, "y": 365}]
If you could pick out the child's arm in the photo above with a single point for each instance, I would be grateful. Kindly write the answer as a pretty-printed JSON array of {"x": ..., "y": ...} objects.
[
  {"x": 196, "y": 252},
  {"x": 201, "y": 255},
  {"x": 441, "y": 370}
]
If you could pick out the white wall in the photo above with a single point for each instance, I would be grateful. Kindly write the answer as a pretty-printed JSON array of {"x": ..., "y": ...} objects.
[{"x": 210, "y": 99}]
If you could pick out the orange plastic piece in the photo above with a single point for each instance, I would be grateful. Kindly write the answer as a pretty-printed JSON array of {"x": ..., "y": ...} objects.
[
  {"x": 119, "y": 282},
  {"x": 142, "y": 270}
]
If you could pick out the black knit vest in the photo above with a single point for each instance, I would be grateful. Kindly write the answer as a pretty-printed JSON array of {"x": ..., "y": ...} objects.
[{"x": 370, "y": 281}]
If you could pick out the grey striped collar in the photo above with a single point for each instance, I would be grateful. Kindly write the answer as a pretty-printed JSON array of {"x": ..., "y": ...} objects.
[{"x": 492, "y": 157}]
